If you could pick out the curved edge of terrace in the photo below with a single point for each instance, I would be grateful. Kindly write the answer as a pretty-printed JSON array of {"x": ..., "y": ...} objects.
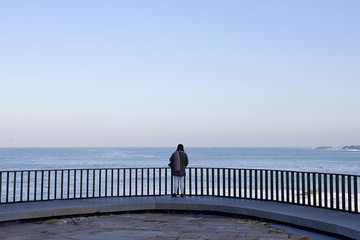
[{"x": 339, "y": 223}]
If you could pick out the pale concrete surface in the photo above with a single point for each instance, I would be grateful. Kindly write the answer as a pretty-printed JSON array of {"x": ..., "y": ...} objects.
[
  {"x": 335, "y": 222},
  {"x": 145, "y": 226}
]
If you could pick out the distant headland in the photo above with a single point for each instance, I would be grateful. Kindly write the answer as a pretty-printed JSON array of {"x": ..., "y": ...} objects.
[
  {"x": 348, "y": 147},
  {"x": 352, "y": 147}
]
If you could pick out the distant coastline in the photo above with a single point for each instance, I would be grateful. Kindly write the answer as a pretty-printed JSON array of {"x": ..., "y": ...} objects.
[{"x": 347, "y": 147}]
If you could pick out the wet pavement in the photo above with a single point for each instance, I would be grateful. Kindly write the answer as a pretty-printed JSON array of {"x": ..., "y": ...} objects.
[{"x": 145, "y": 226}]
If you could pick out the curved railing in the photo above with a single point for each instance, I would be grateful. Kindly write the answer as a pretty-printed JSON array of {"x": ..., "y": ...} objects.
[{"x": 325, "y": 190}]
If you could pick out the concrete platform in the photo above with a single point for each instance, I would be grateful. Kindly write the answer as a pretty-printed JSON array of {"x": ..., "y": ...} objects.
[{"x": 334, "y": 222}]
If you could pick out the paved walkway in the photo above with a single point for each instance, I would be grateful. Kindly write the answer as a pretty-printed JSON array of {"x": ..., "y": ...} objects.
[
  {"x": 335, "y": 222},
  {"x": 149, "y": 226}
]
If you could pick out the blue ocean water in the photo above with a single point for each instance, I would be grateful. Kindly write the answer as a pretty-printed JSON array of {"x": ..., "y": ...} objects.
[{"x": 298, "y": 159}]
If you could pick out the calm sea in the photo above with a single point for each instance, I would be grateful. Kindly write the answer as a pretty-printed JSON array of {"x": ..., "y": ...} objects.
[{"x": 299, "y": 159}]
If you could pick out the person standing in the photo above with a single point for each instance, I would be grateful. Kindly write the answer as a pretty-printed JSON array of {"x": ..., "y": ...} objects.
[{"x": 178, "y": 162}]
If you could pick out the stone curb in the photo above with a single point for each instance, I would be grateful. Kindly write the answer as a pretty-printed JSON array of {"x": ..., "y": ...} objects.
[{"x": 330, "y": 221}]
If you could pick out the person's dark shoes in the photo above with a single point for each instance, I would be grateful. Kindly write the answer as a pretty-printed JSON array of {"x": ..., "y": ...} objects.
[
  {"x": 173, "y": 195},
  {"x": 182, "y": 195}
]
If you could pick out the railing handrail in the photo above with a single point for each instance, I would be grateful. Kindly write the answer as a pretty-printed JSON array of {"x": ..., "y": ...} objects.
[
  {"x": 325, "y": 190},
  {"x": 163, "y": 167}
]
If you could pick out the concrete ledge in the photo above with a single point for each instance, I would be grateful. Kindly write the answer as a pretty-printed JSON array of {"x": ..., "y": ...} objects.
[{"x": 334, "y": 222}]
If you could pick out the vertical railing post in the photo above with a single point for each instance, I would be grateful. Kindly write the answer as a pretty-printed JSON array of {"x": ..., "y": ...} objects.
[
  {"x": 1, "y": 182},
  {"x": 245, "y": 183},
  {"x": 337, "y": 192},
  {"x": 234, "y": 183},
  {"x": 35, "y": 190},
  {"x": 343, "y": 195},
  {"x": 320, "y": 189},
  {"x": 14, "y": 192},
  {"x": 272, "y": 185},
  {"x": 154, "y": 182},
  {"x": 142, "y": 181},
  {"x": 349, "y": 193},
  {"x": 223, "y": 181},
  {"x": 213, "y": 181},
  {"x": 207, "y": 182},
  {"x": 356, "y": 200},
  {"x": 202, "y": 181},
  {"x": 112, "y": 182},
  {"x": 267, "y": 184},
  {"x": 251, "y": 183},
  {"x": 148, "y": 182},
  {"x": 287, "y": 187},
  {"x": 190, "y": 182},
  {"x": 196, "y": 182}
]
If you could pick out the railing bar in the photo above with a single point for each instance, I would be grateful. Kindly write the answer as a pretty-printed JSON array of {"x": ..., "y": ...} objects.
[
  {"x": 314, "y": 193},
  {"x": 343, "y": 192},
  {"x": 1, "y": 187},
  {"x": 68, "y": 189},
  {"x": 331, "y": 191},
  {"x": 218, "y": 181},
  {"x": 62, "y": 185},
  {"x": 337, "y": 192},
  {"x": 303, "y": 187},
  {"x": 282, "y": 186},
  {"x": 223, "y": 181},
  {"x": 261, "y": 184},
  {"x": 297, "y": 174},
  {"x": 87, "y": 183},
  {"x": 160, "y": 182},
  {"x": 229, "y": 183},
  {"x": 112, "y": 182},
  {"x": 287, "y": 187},
  {"x": 202, "y": 181},
  {"x": 130, "y": 182},
  {"x": 196, "y": 182},
  {"x": 349, "y": 194},
  {"x": 124, "y": 181},
  {"x": 94, "y": 175},
  {"x": 14, "y": 192},
  {"x": 106, "y": 182},
  {"x": 266, "y": 184},
  {"x": 207, "y": 182},
  {"x": 292, "y": 187},
  {"x": 234, "y": 182},
  {"x": 245, "y": 183},
  {"x": 272, "y": 185},
  {"x": 49, "y": 182},
  {"x": 100, "y": 181},
  {"x": 154, "y": 181},
  {"x": 190, "y": 182},
  {"x": 35, "y": 191},
  {"x": 320, "y": 190},
  {"x": 7, "y": 186},
  {"x": 136, "y": 183},
  {"x": 251, "y": 185},
  {"x": 21, "y": 186},
  {"x": 326, "y": 190},
  {"x": 75, "y": 172},
  {"x": 356, "y": 202},
  {"x": 29, "y": 185},
  {"x": 142, "y": 182},
  {"x": 308, "y": 188},
  {"x": 213, "y": 181},
  {"x": 148, "y": 181},
  {"x": 118, "y": 182},
  {"x": 277, "y": 186}
]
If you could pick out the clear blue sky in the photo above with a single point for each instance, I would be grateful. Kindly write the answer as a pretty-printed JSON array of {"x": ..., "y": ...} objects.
[{"x": 156, "y": 73}]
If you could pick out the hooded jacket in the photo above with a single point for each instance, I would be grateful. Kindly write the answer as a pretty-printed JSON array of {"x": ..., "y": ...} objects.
[{"x": 184, "y": 161}]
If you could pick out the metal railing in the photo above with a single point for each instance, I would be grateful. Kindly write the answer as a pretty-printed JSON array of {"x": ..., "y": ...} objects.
[{"x": 324, "y": 190}]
